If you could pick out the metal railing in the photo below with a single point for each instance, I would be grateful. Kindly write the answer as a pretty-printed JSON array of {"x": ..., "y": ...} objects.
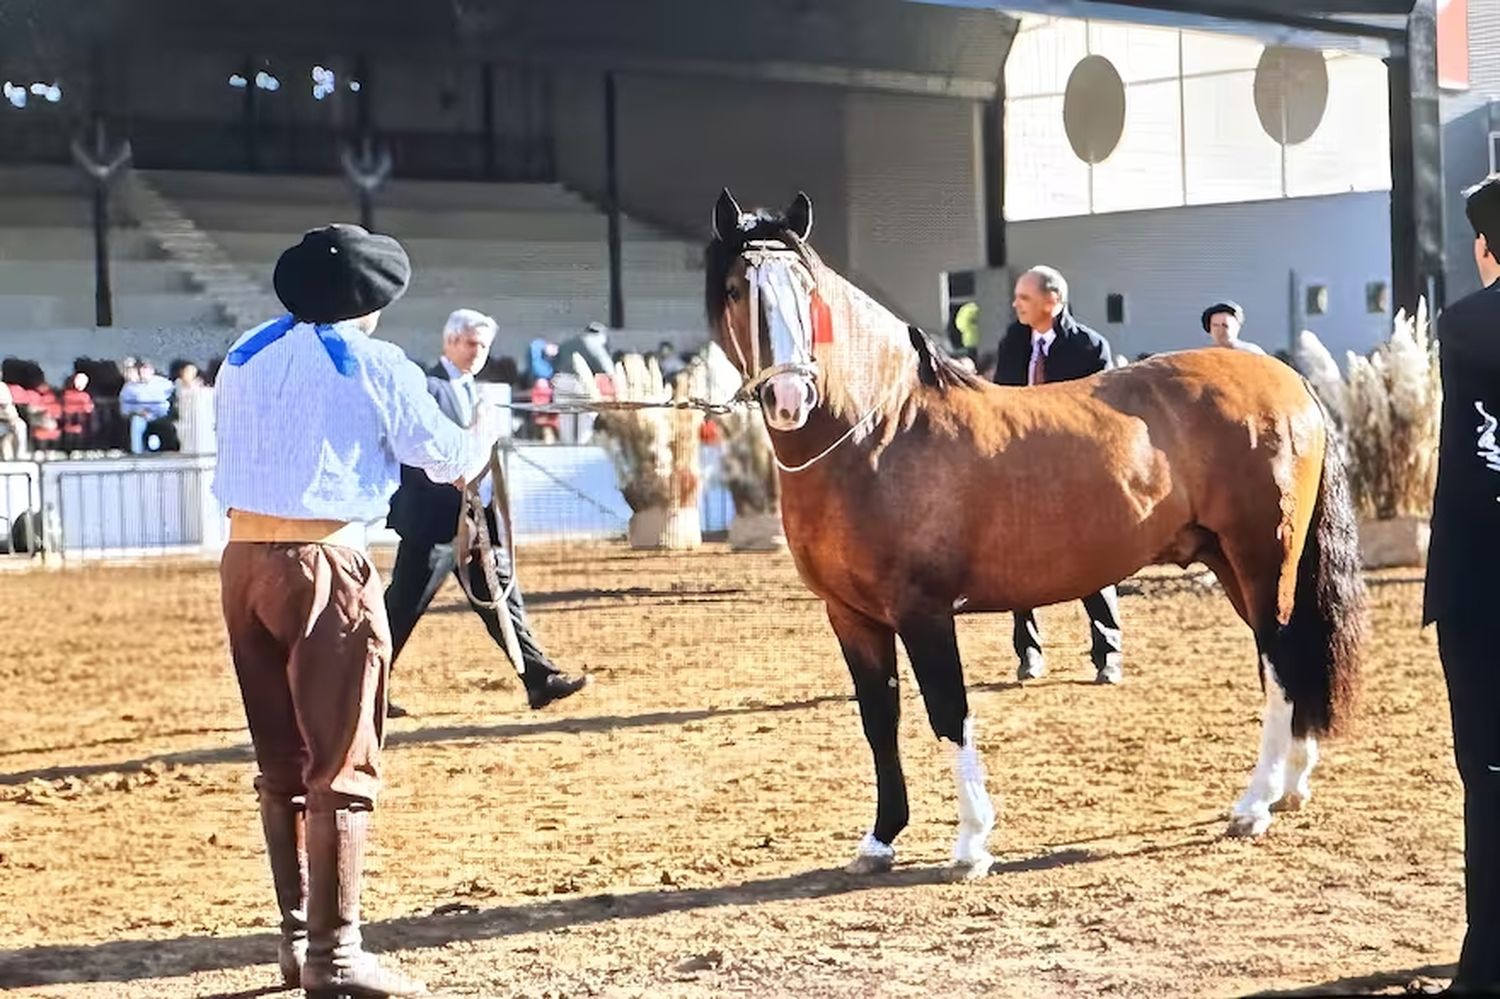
[
  {"x": 131, "y": 507},
  {"x": 21, "y": 512},
  {"x": 128, "y": 511},
  {"x": 114, "y": 507}
]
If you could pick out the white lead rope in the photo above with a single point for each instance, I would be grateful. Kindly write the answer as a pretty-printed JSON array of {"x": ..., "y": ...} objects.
[{"x": 794, "y": 469}]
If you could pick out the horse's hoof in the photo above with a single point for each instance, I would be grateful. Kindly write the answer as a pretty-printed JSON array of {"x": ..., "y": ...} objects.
[
  {"x": 1292, "y": 801},
  {"x": 1248, "y": 825},
  {"x": 971, "y": 870},
  {"x": 869, "y": 864}
]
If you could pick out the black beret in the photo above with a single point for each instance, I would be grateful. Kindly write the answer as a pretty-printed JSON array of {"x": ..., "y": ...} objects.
[
  {"x": 341, "y": 272},
  {"x": 1482, "y": 206},
  {"x": 1233, "y": 308}
]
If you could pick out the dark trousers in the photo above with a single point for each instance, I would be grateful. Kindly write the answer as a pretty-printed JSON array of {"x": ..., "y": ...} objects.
[
  {"x": 1104, "y": 626},
  {"x": 419, "y": 572},
  {"x": 1466, "y": 646}
]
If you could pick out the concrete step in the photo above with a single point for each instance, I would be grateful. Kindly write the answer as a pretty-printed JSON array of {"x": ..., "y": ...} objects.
[
  {"x": 159, "y": 310},
  {"x": 75, "y": 277},
  {"x": 71, "y": 243},
  {"x": 468, "y": 223},
  {"x": 262, "y": 249},
  {"x": 335, "y": 192},
  {"x": 23, "y": 209}
]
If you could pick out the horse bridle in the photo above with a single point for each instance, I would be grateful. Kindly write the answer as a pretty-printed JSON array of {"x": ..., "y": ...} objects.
[{"x": 756, "y": 254}]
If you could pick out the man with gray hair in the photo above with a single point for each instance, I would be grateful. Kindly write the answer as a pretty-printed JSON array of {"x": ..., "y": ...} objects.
[
  {"x": 1046, "y": 344},
  {"x": 425, "y": 515}
]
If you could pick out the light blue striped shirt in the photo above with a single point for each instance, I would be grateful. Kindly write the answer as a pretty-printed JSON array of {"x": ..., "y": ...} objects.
[{"x": 298, "y": 439}]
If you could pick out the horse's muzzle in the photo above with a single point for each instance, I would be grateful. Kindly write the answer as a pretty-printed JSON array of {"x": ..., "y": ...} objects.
[{"x": 787, "y": 400}]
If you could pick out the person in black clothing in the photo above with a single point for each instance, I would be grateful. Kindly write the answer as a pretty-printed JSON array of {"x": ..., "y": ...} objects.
[
  {"x": 425, "y": 516},
  {"x": 1046, "y": 344},
  {"x": 1461, "y": 565}
]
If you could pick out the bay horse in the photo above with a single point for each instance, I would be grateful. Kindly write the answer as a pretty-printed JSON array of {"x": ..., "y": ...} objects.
[{"x": 913, "y": 491}]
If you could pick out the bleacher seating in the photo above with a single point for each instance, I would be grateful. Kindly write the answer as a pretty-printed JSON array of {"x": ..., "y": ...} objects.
[
  {"x": 47, "y": 261},
  {"x": 532, "y": 255}
]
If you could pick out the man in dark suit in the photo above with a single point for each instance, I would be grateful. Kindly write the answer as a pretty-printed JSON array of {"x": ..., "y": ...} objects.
[
  {"x": 1046, "y": 344},
  {"x": 425, "y": 515},
  {"x": 1464, "y": 552}
]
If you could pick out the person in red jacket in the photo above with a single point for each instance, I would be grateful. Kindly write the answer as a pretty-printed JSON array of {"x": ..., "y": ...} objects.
[{"x": 77, "y": 413}]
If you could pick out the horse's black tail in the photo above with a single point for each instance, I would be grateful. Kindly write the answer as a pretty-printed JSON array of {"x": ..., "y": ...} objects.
[{"x": 1321, "y": 647}]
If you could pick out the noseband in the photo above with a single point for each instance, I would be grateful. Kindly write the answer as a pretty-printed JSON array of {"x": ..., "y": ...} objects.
[{"x": 763, "y": 256}]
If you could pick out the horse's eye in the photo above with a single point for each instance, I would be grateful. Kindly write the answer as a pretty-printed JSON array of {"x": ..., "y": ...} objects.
[{"x": 733, "y": 293}]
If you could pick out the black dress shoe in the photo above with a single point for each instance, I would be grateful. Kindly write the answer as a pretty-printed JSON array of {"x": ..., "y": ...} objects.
[
  {"x": 1465, "y": 987},
  {"x": 554, "y": 687},
  {"x": 394, "y": 710}
]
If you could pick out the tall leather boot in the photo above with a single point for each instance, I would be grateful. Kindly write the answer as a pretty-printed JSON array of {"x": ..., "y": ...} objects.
[
  {"x": 281, "y": 819},
  {"x": 337, "y": 965}
]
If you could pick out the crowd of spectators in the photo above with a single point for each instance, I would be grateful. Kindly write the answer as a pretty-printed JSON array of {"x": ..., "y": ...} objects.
[
  {"x": 130, "y": 407},
  {"x": 124, "y": 406}
]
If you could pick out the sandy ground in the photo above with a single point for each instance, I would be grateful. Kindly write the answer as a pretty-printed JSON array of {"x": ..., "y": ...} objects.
[{"x": 679, "y": 829}]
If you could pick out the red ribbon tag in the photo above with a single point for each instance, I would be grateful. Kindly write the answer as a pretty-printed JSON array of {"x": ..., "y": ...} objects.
[{"x": 822, "y": 320}]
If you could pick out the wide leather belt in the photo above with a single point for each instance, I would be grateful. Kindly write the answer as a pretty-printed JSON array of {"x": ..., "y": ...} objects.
[{"x": 246, "y": 526}]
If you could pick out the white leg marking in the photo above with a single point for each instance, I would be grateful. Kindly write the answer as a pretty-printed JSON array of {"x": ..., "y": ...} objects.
[
  {"x": 872, "y": 856},
  {"x": 976, "y": 813},
  {"x": 1251, "y": 815},
  {"x": 1299, "y": 767}
]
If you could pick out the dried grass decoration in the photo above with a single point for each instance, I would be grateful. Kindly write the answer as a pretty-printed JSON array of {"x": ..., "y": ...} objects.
[
  {"x": 747, "y": 465},
  {"x": 748, "y": 470},
  {"x": 655, "y": 453},
  {"x": 1389, "y": 410}
]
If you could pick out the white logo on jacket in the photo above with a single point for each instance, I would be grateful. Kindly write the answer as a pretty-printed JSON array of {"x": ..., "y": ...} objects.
[{"x": 1486, "y": 447}]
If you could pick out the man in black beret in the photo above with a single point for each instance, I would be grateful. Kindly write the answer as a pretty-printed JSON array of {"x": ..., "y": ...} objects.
[
  {"x": 1460, "y": 586},
  {"x": 314, "y": 420},
  {"x": 1222, "y": 321}
]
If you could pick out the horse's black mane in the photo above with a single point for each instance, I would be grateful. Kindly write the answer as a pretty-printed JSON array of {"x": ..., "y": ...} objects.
[{"x": 935, "y": 368}]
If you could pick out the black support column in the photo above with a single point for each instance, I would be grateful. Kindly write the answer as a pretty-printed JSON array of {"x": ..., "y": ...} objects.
[
  {"x": 1416, "y": 165},
  {"x": 612, "y": 205},
  {"x": 992, "y": 142}
]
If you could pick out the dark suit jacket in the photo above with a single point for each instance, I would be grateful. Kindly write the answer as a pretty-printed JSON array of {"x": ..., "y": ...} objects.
[
  {"x": 1077, "y": 352},
  {"x": 422, "y": 510},
  {"x": 1465, "y": 546}
]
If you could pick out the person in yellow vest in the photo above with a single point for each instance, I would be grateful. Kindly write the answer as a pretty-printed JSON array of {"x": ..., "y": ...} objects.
[{"x": 966, "y": 321}]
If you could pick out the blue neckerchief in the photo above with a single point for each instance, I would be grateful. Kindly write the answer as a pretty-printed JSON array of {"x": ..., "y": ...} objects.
[{"x": 338, "y": 350}]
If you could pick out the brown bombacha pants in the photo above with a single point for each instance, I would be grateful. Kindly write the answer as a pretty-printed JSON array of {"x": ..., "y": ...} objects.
[{"x": 311, "y": 649}]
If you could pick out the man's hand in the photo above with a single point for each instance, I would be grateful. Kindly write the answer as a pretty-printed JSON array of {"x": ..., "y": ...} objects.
[{"x": 486, "y": 430}]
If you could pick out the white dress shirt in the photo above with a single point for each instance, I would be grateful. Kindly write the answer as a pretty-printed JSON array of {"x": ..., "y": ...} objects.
[
  {"x": 298, "y": 439},
  {"x": 467, "y": 392}
]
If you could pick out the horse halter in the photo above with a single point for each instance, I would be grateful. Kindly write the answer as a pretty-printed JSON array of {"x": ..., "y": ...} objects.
[{"x": 772, "y": 263}]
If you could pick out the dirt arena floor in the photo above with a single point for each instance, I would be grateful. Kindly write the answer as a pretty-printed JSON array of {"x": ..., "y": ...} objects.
[{"x": 679, "y": 829}]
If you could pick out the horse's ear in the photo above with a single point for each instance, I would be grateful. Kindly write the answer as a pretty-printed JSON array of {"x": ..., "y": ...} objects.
[
  {"x": 726, "y": 215},
  {"x": 799, "y": 216}
]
